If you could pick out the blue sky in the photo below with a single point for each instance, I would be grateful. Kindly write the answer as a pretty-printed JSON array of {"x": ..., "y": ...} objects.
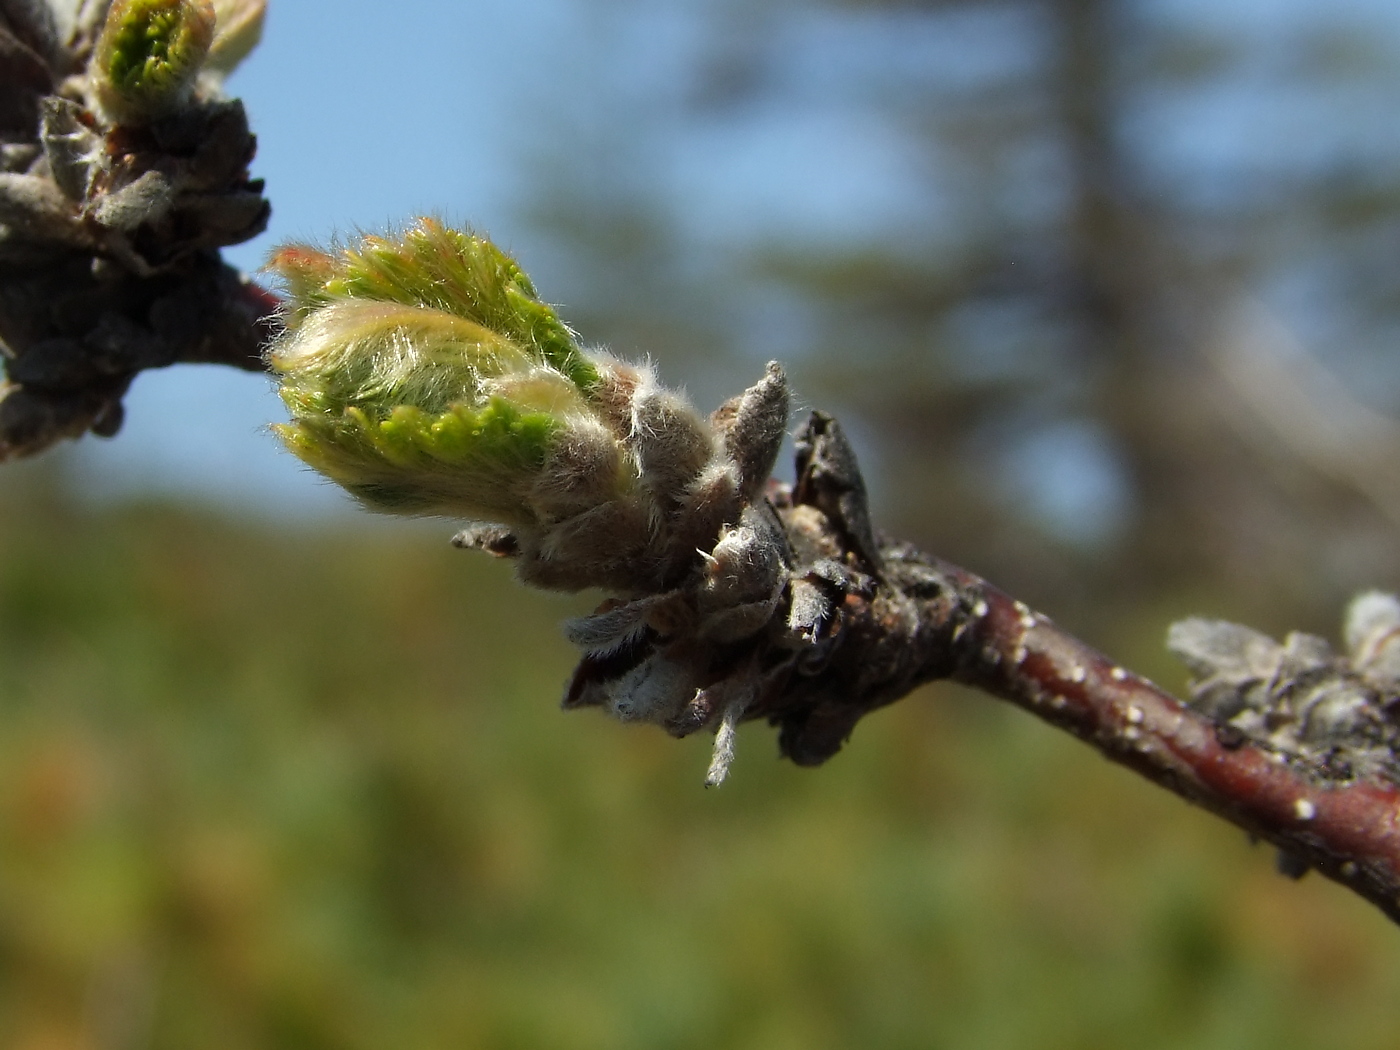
[
  {"x": 369, "y": 113},
  {"x": 384, "y": 111}
]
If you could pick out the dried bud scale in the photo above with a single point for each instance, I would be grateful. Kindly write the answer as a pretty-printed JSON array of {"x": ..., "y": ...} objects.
[{"x": 122, "y": 174}]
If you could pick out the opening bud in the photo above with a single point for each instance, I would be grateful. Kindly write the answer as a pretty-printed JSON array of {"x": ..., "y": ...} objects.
[
  {"x": 148, "y": 56},
  {"x": 424, "y": 375}
]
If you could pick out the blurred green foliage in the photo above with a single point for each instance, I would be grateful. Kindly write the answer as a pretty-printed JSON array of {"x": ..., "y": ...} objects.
[{"x": 281, "y": 787}]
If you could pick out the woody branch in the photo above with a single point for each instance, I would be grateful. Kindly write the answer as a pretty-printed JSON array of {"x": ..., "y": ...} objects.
[{"x": 919, "y": 619}]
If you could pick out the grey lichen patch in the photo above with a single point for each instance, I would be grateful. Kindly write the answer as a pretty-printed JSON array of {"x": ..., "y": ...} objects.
[{"x": 1335, "y": 715}]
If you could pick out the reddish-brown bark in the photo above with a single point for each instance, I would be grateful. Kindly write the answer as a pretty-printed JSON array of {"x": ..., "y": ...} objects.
[{"x": 920, "y": 619}]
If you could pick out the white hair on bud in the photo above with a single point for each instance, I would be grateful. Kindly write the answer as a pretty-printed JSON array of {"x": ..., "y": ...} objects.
[
  {"x": 722, "y": 757},
  {"x": 583, "y": 470},
  {"x": 543, "y": 388},
  {"x": 600, "y": 535},
  {"x": 752, "y": 426},
  {"x": 716, "y": 485},
  {"x": 407, "y": 354},
  {"x": 745, "y": 565},
  {"x": 734, "y": 622},
  {"x": 605, "y": 633},
  {"x": 670, "y": 441}
]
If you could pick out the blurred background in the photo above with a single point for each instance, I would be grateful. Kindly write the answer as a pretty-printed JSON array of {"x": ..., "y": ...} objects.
[{"x": 1106, "y": 293}]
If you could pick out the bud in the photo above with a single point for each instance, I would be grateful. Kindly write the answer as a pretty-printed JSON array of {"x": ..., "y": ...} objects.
[
  {"x": 424, "y": 375},
  {"x": 415, "y": 379},
  {"x": 149, "y": 55}
]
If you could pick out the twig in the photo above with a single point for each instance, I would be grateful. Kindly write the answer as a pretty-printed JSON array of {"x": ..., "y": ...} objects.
[
  {"x": 918, "y": 619},
  {"x": 731, "y": 600}
]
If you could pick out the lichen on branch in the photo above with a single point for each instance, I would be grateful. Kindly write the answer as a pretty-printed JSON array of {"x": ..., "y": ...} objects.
[{"x": 1336, "y": 716}]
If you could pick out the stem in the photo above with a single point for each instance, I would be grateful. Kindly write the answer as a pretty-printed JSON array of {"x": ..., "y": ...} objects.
[
  {"x": 923, "y": 619},
  {"x": 238, "y": 318},
  {"x": 61, "y": 387}
]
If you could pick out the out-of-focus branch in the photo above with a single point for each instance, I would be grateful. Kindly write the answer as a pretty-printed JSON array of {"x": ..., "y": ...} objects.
[
  {"x": 1295, "y": 404},
  {"x": 123, "y": 171}
]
